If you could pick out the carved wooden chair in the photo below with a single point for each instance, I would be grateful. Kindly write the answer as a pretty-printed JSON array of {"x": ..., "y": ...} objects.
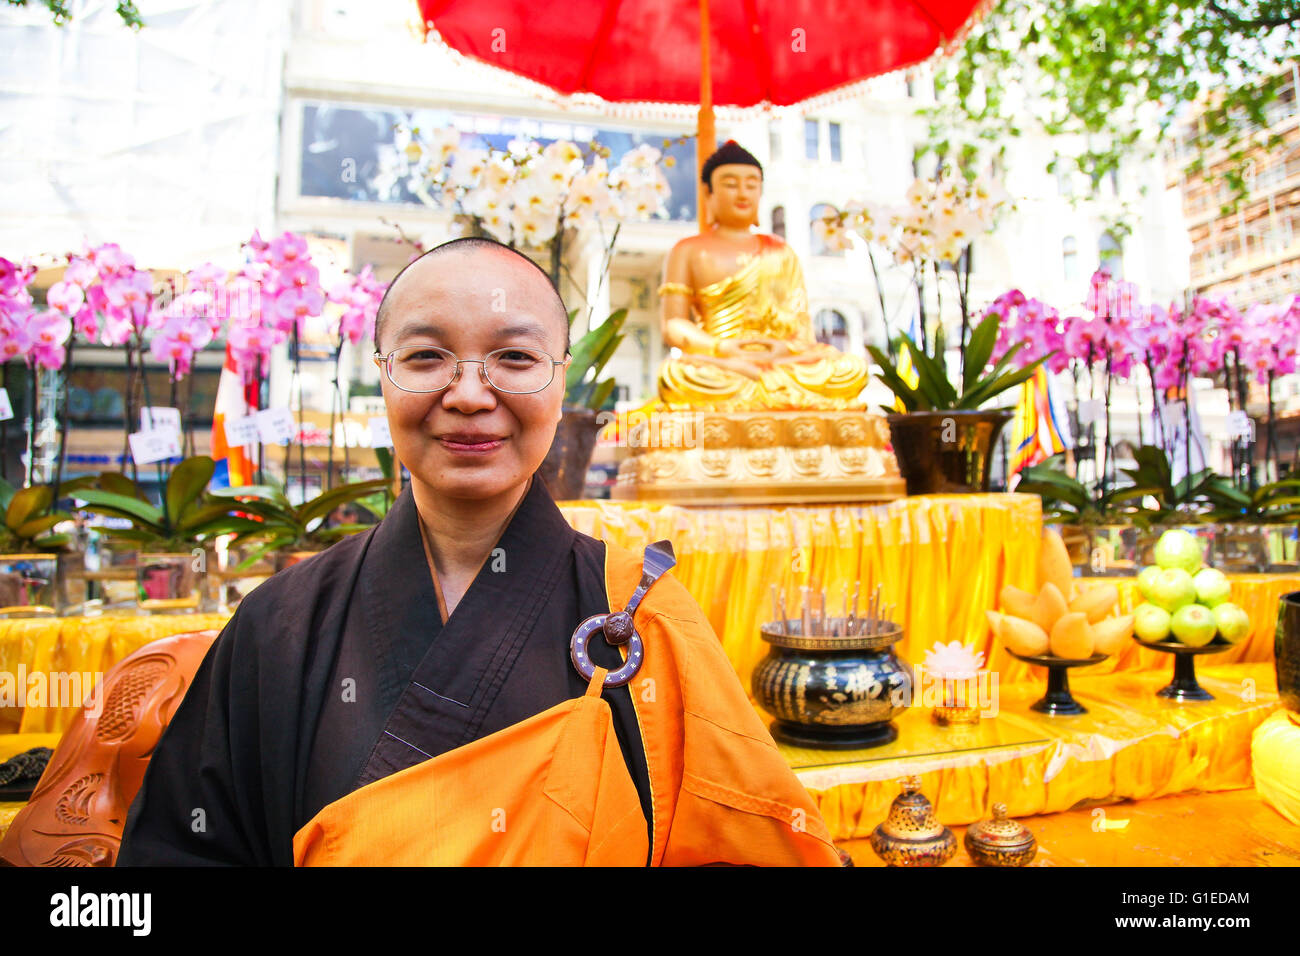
[{"x": 78, "y": 810}]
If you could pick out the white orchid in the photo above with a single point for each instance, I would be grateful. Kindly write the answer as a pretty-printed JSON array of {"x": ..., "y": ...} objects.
[{"x": 534, "y": 227}]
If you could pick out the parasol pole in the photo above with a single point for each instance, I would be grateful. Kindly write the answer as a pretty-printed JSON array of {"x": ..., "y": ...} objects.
[{"x": 706, "y": 138}]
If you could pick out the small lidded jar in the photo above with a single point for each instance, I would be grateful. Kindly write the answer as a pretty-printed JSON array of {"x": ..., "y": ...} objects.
[{"x": 1000, "y": 841}]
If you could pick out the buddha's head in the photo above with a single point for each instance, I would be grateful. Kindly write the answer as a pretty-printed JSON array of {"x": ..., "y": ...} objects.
[{"x": 733, "y": 181}]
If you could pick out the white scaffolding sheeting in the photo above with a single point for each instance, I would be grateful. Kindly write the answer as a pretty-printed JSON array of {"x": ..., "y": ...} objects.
[{"x": 163, "y": 140}]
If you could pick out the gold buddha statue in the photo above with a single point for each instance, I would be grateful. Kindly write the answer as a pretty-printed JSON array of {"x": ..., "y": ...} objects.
[
  {"x": 734, "y": 303},
  {"x": 754, "y": 410}
]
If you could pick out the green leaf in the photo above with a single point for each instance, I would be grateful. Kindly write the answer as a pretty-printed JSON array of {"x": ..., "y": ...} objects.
[
  {"x": 185, "y": 486},
  {"x": 910, "y": 398},
  {"x": 120, "y": 484},
  {"x": 978, "y": 351},
  {"x": 6, "y": 493},
  {"x": 31, "y": 528},
  {"x": 267, "y": 493},
  {"x": 326, "y": 502},
  {"x": 996, "y": 386},
  {"x": 931, "y": 378},
  {"x": 28, "y": 503},
  {"x": 197, "y": 520},
  {"x": 600, "y": 394},
  {"x": 339, "y": 531},
  {"x": 107, "y": 502}
]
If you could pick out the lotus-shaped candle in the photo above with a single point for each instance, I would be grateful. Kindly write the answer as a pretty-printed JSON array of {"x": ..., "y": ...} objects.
[{"x": 957, "y": 669}]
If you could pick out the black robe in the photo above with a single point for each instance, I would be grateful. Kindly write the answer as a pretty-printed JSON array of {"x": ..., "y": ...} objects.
[{"x": 338, "y": 671}]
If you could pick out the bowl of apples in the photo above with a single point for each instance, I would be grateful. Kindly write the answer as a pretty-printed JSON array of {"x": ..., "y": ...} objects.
[{"x": 1186, "y": 612}]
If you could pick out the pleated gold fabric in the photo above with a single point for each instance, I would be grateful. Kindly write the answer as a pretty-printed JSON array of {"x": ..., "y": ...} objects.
[
  {"x": 1131, "y": 744},
  {"x": 76, "y": 645}
]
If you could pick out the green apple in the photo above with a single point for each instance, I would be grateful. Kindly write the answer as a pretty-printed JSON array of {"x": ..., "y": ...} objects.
[
  {"x": 1146, "y": 579},
  {"x": 1171, "y": 589},
  {"x": 1179, "y": 549},
  {"x": 1194, "y": 625},
  {"x": 1151, "y": 623},
  {"x": 1212, "y": 587},
  {"x": 1232, "y": 621}
]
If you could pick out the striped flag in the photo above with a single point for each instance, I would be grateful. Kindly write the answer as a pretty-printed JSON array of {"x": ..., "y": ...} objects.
[
  {"x": 1041, "y": 428},
  {"x": 235, "y": 399}
]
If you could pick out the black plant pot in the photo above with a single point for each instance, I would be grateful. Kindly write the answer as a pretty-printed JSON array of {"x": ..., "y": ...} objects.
[
  {"x": 1286, "y": 650},
  {"x": 567, "y": 462},
  {"x": 946, "y": 452}
]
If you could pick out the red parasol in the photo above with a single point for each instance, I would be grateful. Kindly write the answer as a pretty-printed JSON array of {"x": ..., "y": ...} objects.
[{"x": 762, "y": 51}]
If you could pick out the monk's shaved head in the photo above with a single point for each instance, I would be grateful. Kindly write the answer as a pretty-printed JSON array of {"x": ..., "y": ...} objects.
[{"x": 475, "y": 246}]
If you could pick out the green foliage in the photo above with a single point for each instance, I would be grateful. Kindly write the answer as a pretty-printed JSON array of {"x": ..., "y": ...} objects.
[
  {"x": 28, "y": 518},
  {"x": 1274, "y": 503},
  {"x": 583, "y": 386},
  {"x": 933, "y": 391},
  {"x": 188, "y": 515},
  {"x": 275, "y": 523},
  {"x": 1184, "y": 500},
  {"x": 1111, "y": 71},
  {"x": 59, "y": 9}
]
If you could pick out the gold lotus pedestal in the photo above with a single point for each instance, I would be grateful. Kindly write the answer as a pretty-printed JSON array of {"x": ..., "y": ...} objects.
[{"x": 768, "y": 457}]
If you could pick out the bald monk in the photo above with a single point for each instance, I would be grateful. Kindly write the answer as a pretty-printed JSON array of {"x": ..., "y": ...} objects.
[{"x": 413, "y": 694}]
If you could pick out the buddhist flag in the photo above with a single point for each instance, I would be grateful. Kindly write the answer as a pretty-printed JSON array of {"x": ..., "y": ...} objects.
[
  {"x": 1041, "y": 428},
  {"x": 235, "y": 400}
]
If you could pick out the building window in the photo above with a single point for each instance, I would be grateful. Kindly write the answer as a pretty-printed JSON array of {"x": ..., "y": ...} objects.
[
  {"x": 811, "y": 139},
  {"x": 774, "y": 142},
  {"x": 819, "y": 247},
  {"x": 835, "y": 141},
  {"x": 778, "y": 221},
  {"x": 1070, "y": 258},
  {"x": 831, "y": 328},
  {"x": 1111, "y": 255}
]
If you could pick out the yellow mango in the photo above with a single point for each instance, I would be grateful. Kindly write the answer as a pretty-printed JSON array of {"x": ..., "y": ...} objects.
[
  {"x": 1071, "y": 636},
  {"x": 1096, "y": 601},
  {"x": 1054, "y": 563},
  {"x": 1110, "y": 636},
  {"x": 995, "y": 622},
  {"x": 1017, "y": 602},
  {"x": 1023, "y": 637},
  {"x": 1048, "y": 607}
]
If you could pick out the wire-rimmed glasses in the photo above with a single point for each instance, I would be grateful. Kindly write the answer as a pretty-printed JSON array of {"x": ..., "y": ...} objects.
[{"x": 427, "y": 368}]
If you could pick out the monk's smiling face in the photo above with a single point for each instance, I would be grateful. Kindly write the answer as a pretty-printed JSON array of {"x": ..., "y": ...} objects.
[{"x": 471, "y": 441}]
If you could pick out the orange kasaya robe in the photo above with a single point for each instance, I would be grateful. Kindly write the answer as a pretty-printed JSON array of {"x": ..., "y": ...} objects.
[{"x": 555, "y": 790}]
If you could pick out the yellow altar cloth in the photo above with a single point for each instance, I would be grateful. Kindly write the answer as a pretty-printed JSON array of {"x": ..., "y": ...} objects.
[
  {"x": 75, "y": 645},
  {"x": 1131, "y": 743},
  {"x": 941, "y": 558}
]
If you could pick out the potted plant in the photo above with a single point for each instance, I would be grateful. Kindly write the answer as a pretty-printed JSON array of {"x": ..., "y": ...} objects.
[
  {"x": 36, "y": 563},
  {"x": 1257, "y": 528},
  {"x": 585, "y": 394},
  {"x": 173, "y": 539},
  {"x": 943, "y": 442},
  {"x": 1098, "y": 530},
  {"x": 289, "y": 532},
  {"x": 1178, "y": 504}
]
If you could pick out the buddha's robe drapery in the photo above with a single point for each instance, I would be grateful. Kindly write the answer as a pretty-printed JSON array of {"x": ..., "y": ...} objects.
[
  {"x": 765, "y": 297},
  {"x": 338, "y": 719}
]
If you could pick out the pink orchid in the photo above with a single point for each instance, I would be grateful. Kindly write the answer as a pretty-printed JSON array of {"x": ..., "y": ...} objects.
[
  {"x": 66, "y": 298},
  {"x": 287, "y": 250},
  {"x": 177, "y": 341}
]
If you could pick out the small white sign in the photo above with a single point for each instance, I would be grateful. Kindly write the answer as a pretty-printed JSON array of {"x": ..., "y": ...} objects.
[
  {"x": 6, "y": 410},
  {"x": 276, "y": 426},
  {"x": 155, "y": 418},
  {"x": 241, "y": 432},
  {"x": 380, "y": 437},
  {"x": 155, "y": 444},
  {"x": 1091, "y": 410},
  {"x": 1240, "y": 425}
]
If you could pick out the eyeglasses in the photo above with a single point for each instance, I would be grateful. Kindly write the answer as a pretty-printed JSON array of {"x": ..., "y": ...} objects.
[{"x": 427, "y": 368}]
